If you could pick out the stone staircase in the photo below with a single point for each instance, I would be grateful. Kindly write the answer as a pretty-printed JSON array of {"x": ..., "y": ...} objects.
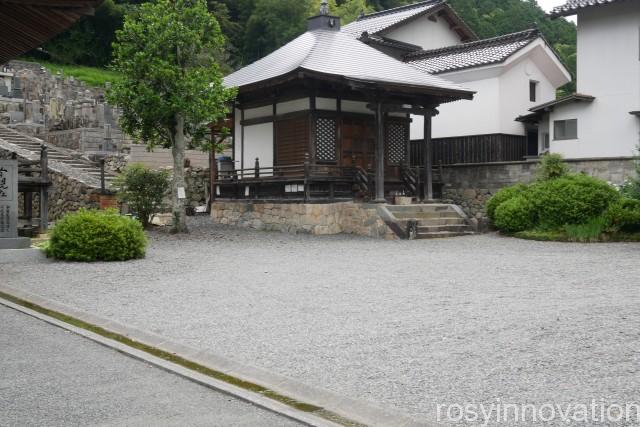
[
  {"x": 430, "y": 221},
  {"x": 67, "y": 161}
]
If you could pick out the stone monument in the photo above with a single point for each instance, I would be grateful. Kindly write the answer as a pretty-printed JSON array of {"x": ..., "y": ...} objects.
[{"x": 9, "y": 207}]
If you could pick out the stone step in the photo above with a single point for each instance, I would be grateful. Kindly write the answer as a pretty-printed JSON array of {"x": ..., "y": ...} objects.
[
  {"x": 459, "y": 228},
  {"x": 423, "y": 215},
  {"x": 440, "y": 221},
  {"x": 436, "y": 207},
  {"x": 443, "y": 234}
]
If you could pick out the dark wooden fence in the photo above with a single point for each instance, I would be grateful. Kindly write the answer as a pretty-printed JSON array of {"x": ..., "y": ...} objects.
[{"x": 472, "y": 149}]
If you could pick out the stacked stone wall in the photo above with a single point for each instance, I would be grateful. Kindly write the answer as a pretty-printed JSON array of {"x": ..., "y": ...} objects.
[
  {"x": 317, "y": 219},
  {"x": 471, "y": 185}
]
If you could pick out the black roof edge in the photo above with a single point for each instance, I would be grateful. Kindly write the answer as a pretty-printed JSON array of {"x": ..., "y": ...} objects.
[
  {"x": 567, "y": 10},
  {"x": 398, "y": 9},
  {"x": 450, "y": 94},
  {"x": 575, "y": 97},
  {"x": 385, "y": 41},
  {"x": 439, "y": 6}
]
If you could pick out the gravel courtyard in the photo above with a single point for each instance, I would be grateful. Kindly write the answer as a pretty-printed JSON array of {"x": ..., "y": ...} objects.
[{"x": 408, "y": 324}]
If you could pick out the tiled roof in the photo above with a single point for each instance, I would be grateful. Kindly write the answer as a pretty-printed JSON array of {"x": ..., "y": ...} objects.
[
  {"x": 333, "y": 53},
  {"x": 380, "y": 21},
  {"x": 571, "y": 7},
  {"x": 575, "y": 97},
  {"x": 387, "y": 42},
  {"x": 470, "y": 55}
]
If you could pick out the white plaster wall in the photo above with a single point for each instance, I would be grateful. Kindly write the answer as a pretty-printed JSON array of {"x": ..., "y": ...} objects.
[
  {"x": 329, "y": 104},
  {"x": 514, "y": 89},
  {"x": 258, "y": 142},
  {"x": 256, "y": 113},
  {"x": 543, "y": 128},
  {"x": 609, "y": 69},
  {"x": 463, "y": 118},
  {"x": 502, "y": 94},
  {"x": 293, "y": 106},
  {"x": 426, "y": 33},
  {"x": 356, "y": 107}
]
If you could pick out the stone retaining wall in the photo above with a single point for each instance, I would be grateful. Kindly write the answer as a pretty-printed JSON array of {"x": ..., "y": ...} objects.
[
  {"x": 471, "y": 185},
  {"x": 317, "y": 219}
]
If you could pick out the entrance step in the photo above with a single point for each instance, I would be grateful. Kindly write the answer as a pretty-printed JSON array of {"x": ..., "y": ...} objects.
[
  {"x": 443, "y": 235},
  {"x": 428, "y": 221}
]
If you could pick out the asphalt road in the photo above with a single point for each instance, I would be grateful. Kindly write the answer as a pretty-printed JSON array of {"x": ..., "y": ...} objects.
[{"x": 51, "y": 377}]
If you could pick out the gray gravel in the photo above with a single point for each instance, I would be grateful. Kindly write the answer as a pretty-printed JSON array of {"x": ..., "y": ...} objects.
[
  {"x": 51, "y": 377},
  {"x": 399, "y": 324}
]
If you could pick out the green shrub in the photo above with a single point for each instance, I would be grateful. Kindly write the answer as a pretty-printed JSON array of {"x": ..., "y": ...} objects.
[
  {"x": 573, "y": 199},
  {"x": 515, "y": 214},
  {"x": 143, "y": 189},
  {"x": 501, "y": 197},
  {"x": 96, "y": 236},
  {"x": 591, "y": 231},
  {"x": 624, "y": 215},
  {"x": 551, "y": 167}
]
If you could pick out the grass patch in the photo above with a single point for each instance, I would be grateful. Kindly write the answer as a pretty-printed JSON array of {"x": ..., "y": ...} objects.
[
  {"x": 563, "y": 236},
  {"x": 96, "y": 77},
  {"x": 170, "y": 357},
  {"x": 591, "y": 231}
]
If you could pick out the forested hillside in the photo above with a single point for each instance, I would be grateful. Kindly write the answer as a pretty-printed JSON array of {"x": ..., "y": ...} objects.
[{"x": 255, "y": 28}]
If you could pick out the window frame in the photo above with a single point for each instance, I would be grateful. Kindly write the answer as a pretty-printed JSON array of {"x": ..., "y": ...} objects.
[
  {"x": 564, "y": 137},
  {"x": 533, "y": 90}
]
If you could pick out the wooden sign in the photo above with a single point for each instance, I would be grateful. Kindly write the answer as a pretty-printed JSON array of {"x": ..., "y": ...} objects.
[{"x": 8, "y": 198}]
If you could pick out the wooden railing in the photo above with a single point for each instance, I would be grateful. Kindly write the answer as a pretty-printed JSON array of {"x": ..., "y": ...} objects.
[
  {"x": 300, "y": 181},
  {"x": 413, "y": 178}
]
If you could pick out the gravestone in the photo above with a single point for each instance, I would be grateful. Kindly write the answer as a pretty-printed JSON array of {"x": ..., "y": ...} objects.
[{"x": 9, "y": 207}]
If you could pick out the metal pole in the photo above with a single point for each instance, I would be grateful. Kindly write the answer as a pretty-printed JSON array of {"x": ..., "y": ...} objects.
[{"x": 379, "y": 154}]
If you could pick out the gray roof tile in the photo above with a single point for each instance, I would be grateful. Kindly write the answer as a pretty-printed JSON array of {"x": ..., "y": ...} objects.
[
  {"x": 380, "y": 21},
  {"x": 338, "y": 54},
  {"x": 571, "y": 7},
  {"x": 470, "y": 55}
]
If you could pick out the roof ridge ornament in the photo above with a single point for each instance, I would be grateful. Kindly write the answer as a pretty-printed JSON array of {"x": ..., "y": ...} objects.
[{"x": 324, "y": 7}]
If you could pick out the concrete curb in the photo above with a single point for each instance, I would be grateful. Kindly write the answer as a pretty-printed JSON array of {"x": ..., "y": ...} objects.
[{"x": 352, "y": 412}]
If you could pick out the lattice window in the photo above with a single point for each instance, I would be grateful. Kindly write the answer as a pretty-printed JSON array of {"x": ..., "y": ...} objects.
[
  {"x": 396, "y": 143},
  {"x": 326, "y": 139}
]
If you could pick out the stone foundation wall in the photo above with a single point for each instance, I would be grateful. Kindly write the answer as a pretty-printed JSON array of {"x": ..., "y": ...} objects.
[
  {"x": 69, "y": 195},
  {"x": 317, "y": 219},
  {"x": 471, "y": 185}
]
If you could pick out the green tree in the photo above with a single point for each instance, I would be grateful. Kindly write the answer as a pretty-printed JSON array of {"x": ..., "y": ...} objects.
[
  {"x": 172, "y": 85},
  {"x": 89, "y": 41},
  {"x": 272, "y": 24},
  {"x": 143, "y": 189}
]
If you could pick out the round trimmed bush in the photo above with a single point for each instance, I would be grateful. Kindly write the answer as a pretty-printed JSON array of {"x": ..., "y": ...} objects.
[
  {"x": 89, "y": 235},
  {"x": 515, "y": 214},
  {"x": 624, "y": 215},
  {"x": 501, "y": 197},
  {"x": 573, "y": 199}
]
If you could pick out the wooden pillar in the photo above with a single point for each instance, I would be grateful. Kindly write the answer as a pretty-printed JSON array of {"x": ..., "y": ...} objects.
[
  {"x": 379, "y": 154},
  {"x": 428, "y": 160}
]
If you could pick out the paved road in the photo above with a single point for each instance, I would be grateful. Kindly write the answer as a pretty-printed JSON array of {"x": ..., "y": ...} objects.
[
  {"x": 51, "y": 377},
  {"x": 406, "y": 325}
]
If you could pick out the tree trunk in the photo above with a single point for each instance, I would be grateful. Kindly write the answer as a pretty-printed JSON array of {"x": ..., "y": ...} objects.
[{"x": 179, "y": 217}]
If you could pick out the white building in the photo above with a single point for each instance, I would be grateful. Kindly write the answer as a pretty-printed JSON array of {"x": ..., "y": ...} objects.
[
  {"x": 603, "y": 119},
  {"x": 510, "y": 74}
]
